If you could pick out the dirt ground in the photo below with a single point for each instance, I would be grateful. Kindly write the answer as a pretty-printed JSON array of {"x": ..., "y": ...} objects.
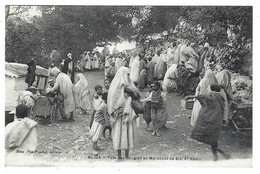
[{"x": 66, "y": 140}]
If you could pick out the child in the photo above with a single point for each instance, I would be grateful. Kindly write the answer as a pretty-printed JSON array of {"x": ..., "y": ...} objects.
[
  {"x": 107, "y": 83},
  {"x": 107, "y": 119},
  {"x": 97, "y": 100},
  {"x": 98, "y": 124},
  {"x": 158, "y": 109},
  {"x": 147, "y": 109}
]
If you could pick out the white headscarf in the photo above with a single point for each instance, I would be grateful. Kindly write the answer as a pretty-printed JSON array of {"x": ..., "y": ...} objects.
[
  {"x": 54, "y": 72},
  {"x": 82, "y": 95},
  {"x": 206, "y": 45},
  {"x": 208, "y": 79},
  {"x": 82, "y": 85},
  {"x": 116, "y": 96}
]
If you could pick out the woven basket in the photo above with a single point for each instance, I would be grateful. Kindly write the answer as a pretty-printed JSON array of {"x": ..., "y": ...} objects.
[{"x": 187, "y": 104}]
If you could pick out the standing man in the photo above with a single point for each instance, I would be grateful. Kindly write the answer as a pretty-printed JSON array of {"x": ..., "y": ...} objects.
[
  {"x": 30, "y": 77},
  {"x": 66, "y": 63},
  {"x": 70, "y": 66}
]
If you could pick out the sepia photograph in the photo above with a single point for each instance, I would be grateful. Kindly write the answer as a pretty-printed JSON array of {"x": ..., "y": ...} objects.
[{"x": 131, "y": 85}]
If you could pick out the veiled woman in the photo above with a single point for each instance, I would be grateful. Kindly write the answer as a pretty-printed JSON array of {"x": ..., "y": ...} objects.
[
  {"x": 208, "y": 79},
  {"x": 224, "y": 79},
  {"x": 192, "y": 63},
  {"x": 122, "y": 115},
  {"x": 160, "y": 67},
  {"x": 169, "y": 81},
  {"x": 82, "y": 93}
]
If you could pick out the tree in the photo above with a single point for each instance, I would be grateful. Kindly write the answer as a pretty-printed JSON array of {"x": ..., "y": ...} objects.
[
  {"x": 65, "y": 29},
  {"x": 156, "y": 19},
  {"x": 79, "y": 28},
  {"x": 23, "y": 41},
  {"x": 16, "y": 10}
]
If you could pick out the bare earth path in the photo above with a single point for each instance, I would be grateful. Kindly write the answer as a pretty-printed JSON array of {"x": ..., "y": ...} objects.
[{"x": 70, "y": 140}]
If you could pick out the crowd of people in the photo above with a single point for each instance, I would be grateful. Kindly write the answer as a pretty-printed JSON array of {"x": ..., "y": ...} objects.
[
  {"x": 89, "y": 61},
  {"x": 157, "y": 70}
]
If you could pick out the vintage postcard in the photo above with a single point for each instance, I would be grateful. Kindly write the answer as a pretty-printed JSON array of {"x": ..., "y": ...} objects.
[{"x": 128, "y": 85}]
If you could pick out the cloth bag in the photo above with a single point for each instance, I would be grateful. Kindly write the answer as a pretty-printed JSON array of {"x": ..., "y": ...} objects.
[{"x": 138, "y": 106}]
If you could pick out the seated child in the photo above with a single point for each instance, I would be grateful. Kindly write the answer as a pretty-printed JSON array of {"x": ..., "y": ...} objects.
[
  {"x": 98, "y": 124},
  {"x": 97, "y": 100}
]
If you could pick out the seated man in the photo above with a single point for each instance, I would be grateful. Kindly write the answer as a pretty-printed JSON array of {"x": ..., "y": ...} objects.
[
  {"x": 28, "y": 96},
  {"x": 20, "y": 136}
]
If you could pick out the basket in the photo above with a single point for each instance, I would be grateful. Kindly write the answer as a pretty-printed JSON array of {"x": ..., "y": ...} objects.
[
  {"x": 187, "y": 104},
  {"x": 42, "y": 107}
]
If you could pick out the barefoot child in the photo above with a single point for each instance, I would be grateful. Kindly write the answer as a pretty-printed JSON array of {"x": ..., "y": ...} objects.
[
  {"x": 98, "y": 124},
  {"x": 158, "y": 109},
  {"x": 97, "y": 100}
]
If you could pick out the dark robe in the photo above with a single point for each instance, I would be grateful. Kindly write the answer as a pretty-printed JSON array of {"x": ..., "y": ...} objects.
[
  {"x": 30, "y": 77},
  {"x": 66, "y": 65},
  {"x": 208, "y": 126},
  {"x": 150, "y": 72}
]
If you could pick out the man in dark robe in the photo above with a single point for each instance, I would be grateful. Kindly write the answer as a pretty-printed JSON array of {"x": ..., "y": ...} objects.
[{"x": 30, "y": 76}]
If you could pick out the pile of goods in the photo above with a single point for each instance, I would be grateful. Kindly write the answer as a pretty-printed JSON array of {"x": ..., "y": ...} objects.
[{"x": 242, "y": 88}]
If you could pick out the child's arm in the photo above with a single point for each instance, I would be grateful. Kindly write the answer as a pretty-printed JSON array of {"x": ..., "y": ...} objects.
[
  {"x": 92, "y": 119},
  {"x": 147, "y": 99}
]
